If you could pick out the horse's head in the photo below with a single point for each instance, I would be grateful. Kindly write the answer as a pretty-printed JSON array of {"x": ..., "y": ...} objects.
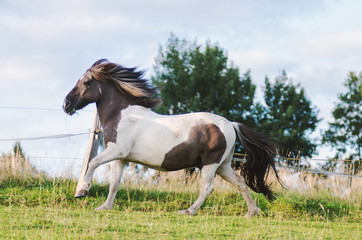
[
  {"x": 111, "y": 81},
  {"x": 87, "y": 90}
]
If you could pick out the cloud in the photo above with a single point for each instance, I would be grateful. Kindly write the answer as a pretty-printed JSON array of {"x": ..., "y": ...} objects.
[
  {"x": 251, "y": 59},
  {"x": 333, "y": 45}
]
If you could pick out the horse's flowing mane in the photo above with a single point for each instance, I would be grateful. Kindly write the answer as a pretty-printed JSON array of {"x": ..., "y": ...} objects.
[{"x": 127, "y": 80}]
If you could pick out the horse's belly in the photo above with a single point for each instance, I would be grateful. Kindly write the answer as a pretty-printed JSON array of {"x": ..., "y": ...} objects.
[{"x": 149, "y": 155}]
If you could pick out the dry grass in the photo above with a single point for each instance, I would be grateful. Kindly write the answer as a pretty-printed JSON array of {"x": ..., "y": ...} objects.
[
  {"x": 15, "y": 165},
  {"x": 345, "y": 188},
  {"x": 348, "y": 189}
]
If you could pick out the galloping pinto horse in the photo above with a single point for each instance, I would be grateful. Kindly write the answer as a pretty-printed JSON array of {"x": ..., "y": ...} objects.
[{"x": 134, "y": 133}]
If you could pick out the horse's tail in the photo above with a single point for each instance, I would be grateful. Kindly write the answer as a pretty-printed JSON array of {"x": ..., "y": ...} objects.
[{"x": 260, "y": 157}]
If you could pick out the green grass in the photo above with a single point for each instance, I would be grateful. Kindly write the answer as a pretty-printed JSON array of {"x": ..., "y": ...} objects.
[
  {"x": 61, "y": 223},
  {"x": 41, "y": 208}
]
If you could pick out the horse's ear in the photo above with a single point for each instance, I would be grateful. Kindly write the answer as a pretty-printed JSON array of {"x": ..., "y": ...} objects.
[{"x": 100, "y": 61}]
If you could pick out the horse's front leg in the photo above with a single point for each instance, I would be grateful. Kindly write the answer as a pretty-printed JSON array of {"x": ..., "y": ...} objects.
[
  {"x": 112, "y": 152},
  {"x": 117, "y": 168}
]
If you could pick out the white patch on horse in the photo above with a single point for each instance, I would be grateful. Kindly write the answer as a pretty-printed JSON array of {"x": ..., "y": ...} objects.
[{"x": 164, "y": 132}]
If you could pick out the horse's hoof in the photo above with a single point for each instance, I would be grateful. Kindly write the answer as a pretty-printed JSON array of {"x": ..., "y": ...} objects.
[
  {"x": 252, "y": 213},
  {"x": 102, "y": 208},
  {"x": 185, "y": 212},
  {"x": 81, "y": 193}
]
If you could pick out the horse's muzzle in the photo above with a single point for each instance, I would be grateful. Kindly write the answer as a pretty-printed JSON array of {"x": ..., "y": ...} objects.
[{"x": 68, "y": 107}]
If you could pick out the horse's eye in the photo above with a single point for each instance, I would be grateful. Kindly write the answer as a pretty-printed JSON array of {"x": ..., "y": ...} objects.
[{"x": 87, "y": 82}]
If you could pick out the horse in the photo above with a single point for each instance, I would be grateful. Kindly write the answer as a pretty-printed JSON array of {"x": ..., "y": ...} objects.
[{"x": 133, "y": 132}]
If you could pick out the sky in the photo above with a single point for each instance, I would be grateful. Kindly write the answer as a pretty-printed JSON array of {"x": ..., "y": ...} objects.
[{"x": 46, "y": 45}]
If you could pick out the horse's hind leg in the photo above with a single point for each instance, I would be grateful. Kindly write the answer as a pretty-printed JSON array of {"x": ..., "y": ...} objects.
[
  {"x": 117, "y": 167},
  {"x": 207, "y": 186},
  {"x": 227, "y": 173}
]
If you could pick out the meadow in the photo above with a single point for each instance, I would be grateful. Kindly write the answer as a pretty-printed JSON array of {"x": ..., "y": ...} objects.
[{"x": 34, "y": 206}]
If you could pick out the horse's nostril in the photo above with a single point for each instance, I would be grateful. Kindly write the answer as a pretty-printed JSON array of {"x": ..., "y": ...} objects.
[{"x": 66, "y": 105}]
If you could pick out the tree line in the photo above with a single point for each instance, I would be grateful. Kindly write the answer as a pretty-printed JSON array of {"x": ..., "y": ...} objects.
[{"x": 193, "y": 77}]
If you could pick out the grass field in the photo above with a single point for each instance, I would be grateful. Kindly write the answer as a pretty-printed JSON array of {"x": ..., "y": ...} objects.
[
  {"x": 42, "y": 208},
  {"x": 62, "y": 223}
]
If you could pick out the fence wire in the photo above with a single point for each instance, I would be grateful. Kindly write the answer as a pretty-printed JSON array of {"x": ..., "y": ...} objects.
[
  {"x": 38, "y": 109},
  {"x": 314, "y": 171},
  {"x": 238, "y": 157},
  {"x": 44, "y": 137}
]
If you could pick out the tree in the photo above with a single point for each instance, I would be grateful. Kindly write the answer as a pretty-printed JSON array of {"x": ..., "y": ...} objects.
[
  {"x": 18, "y": 150},
  {"x": 194, "y": 78},
  {"x": 289, "y": 117},
  {"x": 345, "y": 131}
]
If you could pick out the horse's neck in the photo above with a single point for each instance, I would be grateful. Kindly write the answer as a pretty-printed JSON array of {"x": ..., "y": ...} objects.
[{"x": 109, "y": 110}]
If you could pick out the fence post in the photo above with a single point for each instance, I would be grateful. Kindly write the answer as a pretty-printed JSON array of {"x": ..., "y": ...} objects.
[
  {"x": 93, "y": 145},
  {"x": 94, "y": 139}
]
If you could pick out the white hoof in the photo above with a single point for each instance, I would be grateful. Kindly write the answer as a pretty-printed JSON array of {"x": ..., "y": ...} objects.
[
  {"x": 185, "y": 212},
  {"x": 81, "y": 193},
  {"x": 252, "y": 213},
  {"x": 82, "y": 189},
  {"x": 102, "y": 208}
]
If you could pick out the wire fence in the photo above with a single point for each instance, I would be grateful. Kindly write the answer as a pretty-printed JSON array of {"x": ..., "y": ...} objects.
[
  {"x": 36, "y": 108},
  {"x": 242, "y": 156},
  {"x": 66, "y": 135},
  {"x": 238, "y": 157}
]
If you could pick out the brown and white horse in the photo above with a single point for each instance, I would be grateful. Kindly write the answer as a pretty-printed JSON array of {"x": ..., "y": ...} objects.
[{"x": 134, "y": 133}]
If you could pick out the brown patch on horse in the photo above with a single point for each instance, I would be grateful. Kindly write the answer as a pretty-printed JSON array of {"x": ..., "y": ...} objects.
[{"x": 206, "y": 145}]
